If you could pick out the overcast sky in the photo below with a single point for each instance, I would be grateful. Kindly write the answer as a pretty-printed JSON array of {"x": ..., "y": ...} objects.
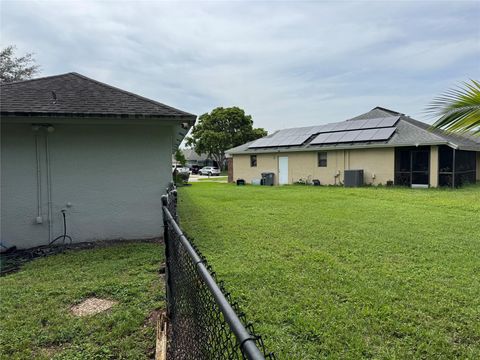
[{"x": 286, "y": 63}]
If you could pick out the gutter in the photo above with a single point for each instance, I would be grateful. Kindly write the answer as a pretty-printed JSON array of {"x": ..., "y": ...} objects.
[{"x": 329, "y": 148}]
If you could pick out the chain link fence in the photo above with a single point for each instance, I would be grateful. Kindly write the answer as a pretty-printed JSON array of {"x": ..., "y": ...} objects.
[{"x": 205, "y": 323}]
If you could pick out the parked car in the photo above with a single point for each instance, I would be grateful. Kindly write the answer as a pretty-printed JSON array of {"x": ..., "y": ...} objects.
[
  {"x": 183, "y": 169},
  {"x": 209, "y": 170},
  {"x": 180, "y": 169},
  {"x": 195, "y": 169}
]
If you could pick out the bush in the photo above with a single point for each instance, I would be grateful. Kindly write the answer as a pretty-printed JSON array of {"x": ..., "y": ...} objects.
[{"x": 181, "y": 178}]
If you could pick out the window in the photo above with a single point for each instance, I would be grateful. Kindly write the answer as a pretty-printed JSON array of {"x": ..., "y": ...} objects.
[
  {"x": 322, "y": 159},
  {"x": 253, "y": 160}
]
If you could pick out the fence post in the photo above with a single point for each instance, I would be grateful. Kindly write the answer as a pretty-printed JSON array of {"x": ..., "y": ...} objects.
[{"x": 166, "y": 241}]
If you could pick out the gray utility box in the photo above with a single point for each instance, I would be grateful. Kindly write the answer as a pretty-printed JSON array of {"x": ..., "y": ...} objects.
[
  {"x": 353, "y": 178},
  {"x": 268, "y": 178}
]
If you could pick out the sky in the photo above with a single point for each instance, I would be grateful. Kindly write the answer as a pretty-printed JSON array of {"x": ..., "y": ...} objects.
[{"x": 286, "y": 63}]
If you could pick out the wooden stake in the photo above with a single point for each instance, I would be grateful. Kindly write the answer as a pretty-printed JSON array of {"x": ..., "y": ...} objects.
[{"x": 161, "y": 345}]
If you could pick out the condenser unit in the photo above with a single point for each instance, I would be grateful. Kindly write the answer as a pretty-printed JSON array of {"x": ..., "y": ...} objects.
[{"x": 353, "y": 178}]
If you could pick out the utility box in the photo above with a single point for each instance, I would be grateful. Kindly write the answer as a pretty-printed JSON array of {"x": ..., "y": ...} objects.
[
  {"x": 268, "y": 178},
  {"x": 353, "y": 178}
]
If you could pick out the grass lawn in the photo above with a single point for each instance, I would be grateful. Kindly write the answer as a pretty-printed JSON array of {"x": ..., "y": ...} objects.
[
  {"x": 214, "y": 179},
  {"x": 35, "y": 318},
  {"x": 341, "y": 273}
]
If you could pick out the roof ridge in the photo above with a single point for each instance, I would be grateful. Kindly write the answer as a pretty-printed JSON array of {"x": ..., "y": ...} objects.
[
  {"x": 388, "y": 110},
  {"x": 35, "y": 79},
  {"x": 127, "y": 92}
]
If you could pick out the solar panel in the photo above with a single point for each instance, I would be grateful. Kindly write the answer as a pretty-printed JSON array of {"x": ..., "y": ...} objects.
[
  {"x": 320, "y": 138},
  {"x": 353, "y": 136},
  {"x": 366, "y": 135},
  {"x": 389, "y": 121},
  {"x": 263, "y": 142},
  {"x": 359, "y": 124},
  {"x": 326, "y": 128},
  {"x": 350, "y": 136},
  {"x": 383, "y": 134},
  {"x": 354, "y": 125},
  {"x": 335, "y": 137},
  {"x": 371, "y": 123},
  {"x": 282, "y": 138}
]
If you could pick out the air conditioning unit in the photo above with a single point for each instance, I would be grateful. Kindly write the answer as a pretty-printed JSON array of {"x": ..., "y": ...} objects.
[{"x": 353, "y": 178}]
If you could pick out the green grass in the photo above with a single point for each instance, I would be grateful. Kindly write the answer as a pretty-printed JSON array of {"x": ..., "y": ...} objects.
[
  {"x": 35, "y": 321},
  {"x": 214, "y": 179},
  {"x": 328, "y": 272}
]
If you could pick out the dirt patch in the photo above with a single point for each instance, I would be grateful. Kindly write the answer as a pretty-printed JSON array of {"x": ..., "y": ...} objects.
[
  {"x": 50, "y": 351},
  {"x": 92, "y": 306}
]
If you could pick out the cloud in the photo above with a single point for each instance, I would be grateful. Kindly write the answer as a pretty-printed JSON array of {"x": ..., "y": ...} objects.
[{"x": 286, "y": 63}]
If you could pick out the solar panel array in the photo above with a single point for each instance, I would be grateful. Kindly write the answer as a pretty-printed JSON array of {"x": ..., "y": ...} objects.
[{"x": 341, "y": 132}]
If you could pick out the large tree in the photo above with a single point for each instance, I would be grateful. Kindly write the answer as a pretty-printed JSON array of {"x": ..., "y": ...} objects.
[
  {"x": 16, "y": 68},
  {"x": 458, "y": 109},
  {"x": 222, "y": 129}
]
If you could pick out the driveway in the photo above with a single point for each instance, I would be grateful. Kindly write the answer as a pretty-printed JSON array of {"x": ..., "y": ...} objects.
[{"x": 195, "y": 178}]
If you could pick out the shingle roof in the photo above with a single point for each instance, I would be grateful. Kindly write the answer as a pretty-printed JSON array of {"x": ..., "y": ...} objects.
[
  {"x": 377, "y": 112},
  {"x": 73, "y": 94},
  {"x": 408, "y": 132},
  {"x": 191, "y": 155}
]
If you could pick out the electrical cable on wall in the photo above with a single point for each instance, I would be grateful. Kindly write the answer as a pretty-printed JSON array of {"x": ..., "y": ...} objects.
[{"x": 64, "y": 236}]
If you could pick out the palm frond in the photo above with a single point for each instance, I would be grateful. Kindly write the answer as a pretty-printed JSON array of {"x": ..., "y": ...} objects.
[{"x": 458, "y": 109}]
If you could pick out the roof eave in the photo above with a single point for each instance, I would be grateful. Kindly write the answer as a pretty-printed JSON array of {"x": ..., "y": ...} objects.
[
  {"x": 329, "y": 148},
  {"x": 96, "y": 115}
]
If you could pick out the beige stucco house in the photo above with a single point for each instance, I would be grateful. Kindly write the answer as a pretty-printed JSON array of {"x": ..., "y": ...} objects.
[{"x": 390, "y": 148}]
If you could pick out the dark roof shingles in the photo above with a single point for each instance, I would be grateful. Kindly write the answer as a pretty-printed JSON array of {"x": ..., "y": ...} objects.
[{"x": 78, "y": 95}]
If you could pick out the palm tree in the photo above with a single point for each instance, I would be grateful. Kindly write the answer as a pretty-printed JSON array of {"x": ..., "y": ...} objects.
[{"x": 458, "y": 109}]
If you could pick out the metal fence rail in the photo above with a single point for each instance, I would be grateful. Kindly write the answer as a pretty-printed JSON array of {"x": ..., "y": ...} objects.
[{"x": 204, "y": 321}]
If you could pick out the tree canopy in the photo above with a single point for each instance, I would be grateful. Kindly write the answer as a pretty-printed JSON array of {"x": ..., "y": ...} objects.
[
  {"x": 458, "y": 109},
  {"x": 222, "y": 129},
  {"x": 180, "y": 157},
  {"x": 16, "y": 68}
]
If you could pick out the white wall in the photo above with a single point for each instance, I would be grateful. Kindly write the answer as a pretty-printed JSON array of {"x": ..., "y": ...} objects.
[{"x": 114, "y": 176}]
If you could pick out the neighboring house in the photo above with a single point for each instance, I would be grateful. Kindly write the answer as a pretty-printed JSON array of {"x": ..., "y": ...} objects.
[
  {"x": 101, "y": 154},
  {"x": 388, "y": 146},
  {"x": 195, "y": 159}
]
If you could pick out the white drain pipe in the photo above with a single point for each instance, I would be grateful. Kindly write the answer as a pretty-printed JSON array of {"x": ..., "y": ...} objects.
[
  {"x": 49, "y": 185},
  {"x": 39, "y": 218}
]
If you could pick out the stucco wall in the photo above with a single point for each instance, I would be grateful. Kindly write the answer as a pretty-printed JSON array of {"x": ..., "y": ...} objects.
[
  {"x": 434, "y": 166},
  {"x": 113, "y": 175},
  {"x": 243, "y": 170},
  {"x": 380, "y": 162},
  {"x": 303, "y": 165}
]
